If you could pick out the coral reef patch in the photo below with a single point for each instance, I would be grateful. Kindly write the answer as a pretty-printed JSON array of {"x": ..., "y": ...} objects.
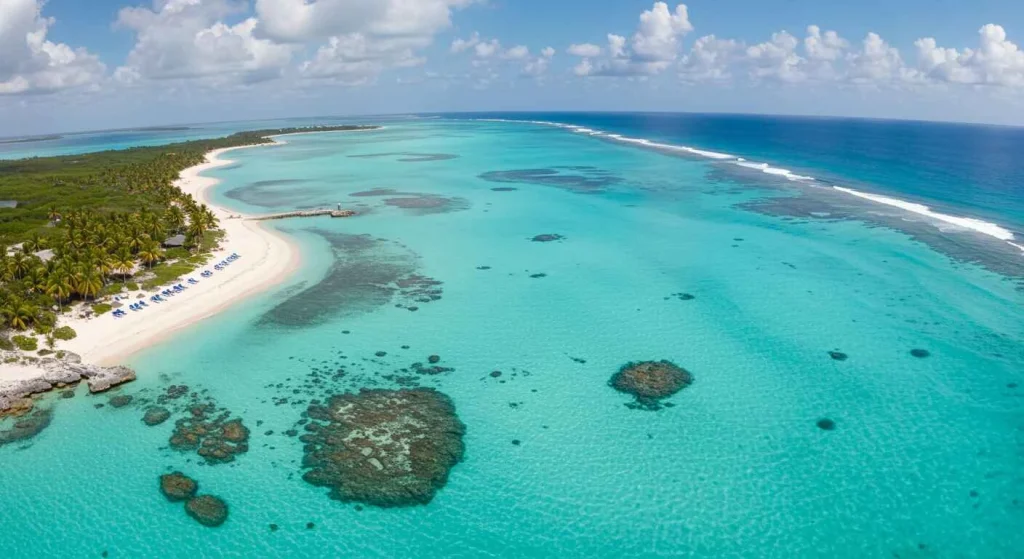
[
  {"x": 177, "y": 486},
  {"x": 388, "y": 448},
  {"x": 650, "y": 382},
  {"x": 207, "y": 510}
]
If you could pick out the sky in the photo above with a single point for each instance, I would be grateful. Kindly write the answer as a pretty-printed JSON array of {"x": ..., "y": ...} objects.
[{"x": 69, "y": 65}]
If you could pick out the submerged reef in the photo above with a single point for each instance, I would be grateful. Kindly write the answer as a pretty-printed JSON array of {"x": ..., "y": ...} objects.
[
  {"x": 207, "y": 510},
  {"x": 650, "y": 382},
  {"x": 367, "y": 273},
  {"x": 547, "y": 238},
  {"x": 580, "y": 179},
  {"x": 388, "y": 448},
  {"x": 211, "y": 434},
  {"x": 177, "y": 486},
  {"x": 25, "y": 427}
]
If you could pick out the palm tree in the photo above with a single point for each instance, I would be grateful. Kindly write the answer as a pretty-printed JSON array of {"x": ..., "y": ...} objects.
[
  {"x": 123, "y": 263},
  {"x": 90, "y": 284},
  {"x": 19, "y": 314},
  {"x": 59, "y": 287},
  {"x": 54, "y": 213},
  {"x": 150, "y": 253}
]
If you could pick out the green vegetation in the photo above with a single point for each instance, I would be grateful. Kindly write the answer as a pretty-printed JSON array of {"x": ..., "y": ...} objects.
[
  {"x": 85, "y": 223},
  {"x": 101, "y": 308},
  {"x": 65, "y": 333},
  {"x": 25, "y": 343},
  {"x": 6, "y": 344}
]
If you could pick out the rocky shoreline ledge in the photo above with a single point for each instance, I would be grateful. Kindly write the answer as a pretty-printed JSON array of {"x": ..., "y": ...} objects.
[{"x": 51, "y": 373}]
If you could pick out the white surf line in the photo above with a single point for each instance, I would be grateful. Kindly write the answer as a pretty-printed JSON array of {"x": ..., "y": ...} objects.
[
  {"x": 980, "y": 226},
  {"x": 990, "y": 229}
]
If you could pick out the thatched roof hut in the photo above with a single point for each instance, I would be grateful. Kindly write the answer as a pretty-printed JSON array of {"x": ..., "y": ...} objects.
[{"x": 175, "y": 241}]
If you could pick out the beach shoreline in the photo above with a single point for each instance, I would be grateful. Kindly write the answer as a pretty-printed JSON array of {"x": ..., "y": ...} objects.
[{"x": 267, "y": 258}]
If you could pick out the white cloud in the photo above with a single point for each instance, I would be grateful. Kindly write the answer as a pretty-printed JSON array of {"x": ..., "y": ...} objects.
[
  {"x": 996, "y": 61},
  {"x": 876, "y": 63},
  {"x": 518, "y": 52},
  {"x": 462, "y": 45},
  {"x": 776, "y": 59},
  {"x": 586, "y": 50},
  {"x": 355, "y": 59},
  {"x": 31, "y": 64},
  {"x": 305, "y": 20},
  {"x": 539, "y": 66},
  {"x": 187, "y": 39},
  {"x": 651, "y": 49},
  {"x": 711, "y": 59}
]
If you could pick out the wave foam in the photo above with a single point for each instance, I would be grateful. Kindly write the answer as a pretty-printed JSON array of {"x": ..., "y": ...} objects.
[
  {"x": 980, "y": 226},
  {"x": 777, "y": 171},
  {"x": 984, "y": 227}
]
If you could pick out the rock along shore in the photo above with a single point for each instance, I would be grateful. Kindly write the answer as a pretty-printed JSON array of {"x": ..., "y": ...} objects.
[{"x": 51, "y": 373}]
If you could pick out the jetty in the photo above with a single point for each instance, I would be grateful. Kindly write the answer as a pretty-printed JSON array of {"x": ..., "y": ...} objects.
[{"x": 306, "y": 213}]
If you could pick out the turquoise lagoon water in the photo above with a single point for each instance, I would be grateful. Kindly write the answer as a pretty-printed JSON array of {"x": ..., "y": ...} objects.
[{"x": 925, "y": 461}]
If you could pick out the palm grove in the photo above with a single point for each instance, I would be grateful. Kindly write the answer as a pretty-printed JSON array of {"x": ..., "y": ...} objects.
[{"x": 86, "y": 225}]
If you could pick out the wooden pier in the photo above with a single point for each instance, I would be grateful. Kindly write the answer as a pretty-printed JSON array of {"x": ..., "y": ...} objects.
[{"x": 305, "y": 213}]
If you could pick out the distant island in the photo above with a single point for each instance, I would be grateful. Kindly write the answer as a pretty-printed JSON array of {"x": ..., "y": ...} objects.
[{"x": 30, "y": 140}]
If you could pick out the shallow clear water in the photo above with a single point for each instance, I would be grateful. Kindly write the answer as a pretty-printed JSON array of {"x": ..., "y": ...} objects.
[{"x": 925, "y": 460}]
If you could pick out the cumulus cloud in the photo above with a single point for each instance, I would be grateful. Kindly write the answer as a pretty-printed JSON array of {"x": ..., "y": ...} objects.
[
  {"x": 586, "y": 50},
  {"x": 711, "y": 59},
  {"x": 31, "y": 64},
  {"x": 304, "y": 20},
  {"x": 876, "y": 63},
  {"x": 652, "y": 48},
  {"x": 187, "y": 39},
  {"x": 355, "y": 59},
  {"x": 996, "y": 60},
  {"x": 487, "y": 53},
  {"x": 776, "y": 59}
]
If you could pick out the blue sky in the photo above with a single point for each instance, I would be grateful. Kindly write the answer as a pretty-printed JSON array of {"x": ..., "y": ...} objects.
[{"x": 70, "y": 64}]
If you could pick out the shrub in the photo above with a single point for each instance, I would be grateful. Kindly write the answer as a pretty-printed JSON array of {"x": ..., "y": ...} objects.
[
  {"x": 65, "y": 333},
  {"x": 45, "y": 352},
  {"x": 100, "y": 308},
  {"x": 6, "y": 344},
  {"x": 25, "y": 343},
  {"x": 132, "y": 286}
]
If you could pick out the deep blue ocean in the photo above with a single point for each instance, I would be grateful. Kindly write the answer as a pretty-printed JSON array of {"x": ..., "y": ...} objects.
[{"x": 846, "y": 294}]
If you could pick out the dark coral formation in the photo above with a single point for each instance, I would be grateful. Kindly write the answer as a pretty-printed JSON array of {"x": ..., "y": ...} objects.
[
  {"x": 25, "y": 427},
  {"x": 547, "y": 238},
  {"x": 838, "y": 355},
  {"x": 211, "y": 434},
  {"x": 920, "y": 353},
  {"x": 177, "y": 486},
  {"x": 120, "y": 401},
  {"x": 579, "y": 179},
  {"x": 681, "y": 296},
  {"x": 386, "y": 448},
  {"x": 367, "y": 274},
  {"x": 155, "y": 416},
  {"x": 207, "y": 510},
  {"x": 408, "y": 157},
  {"x": 650, "y": 382},
  {"x": 826, "y": 424}
]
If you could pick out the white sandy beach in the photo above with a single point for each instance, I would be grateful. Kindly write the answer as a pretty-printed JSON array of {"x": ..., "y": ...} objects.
[{"x": 267, "y": 258}]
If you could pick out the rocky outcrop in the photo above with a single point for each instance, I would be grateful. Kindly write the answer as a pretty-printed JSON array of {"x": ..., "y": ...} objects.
[
  {"x": 55, "y": 373},
  {"x": 388, "y": 448}
]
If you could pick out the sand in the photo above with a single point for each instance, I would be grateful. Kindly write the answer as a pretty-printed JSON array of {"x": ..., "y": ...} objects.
[{"x": 267, "y": 258}]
